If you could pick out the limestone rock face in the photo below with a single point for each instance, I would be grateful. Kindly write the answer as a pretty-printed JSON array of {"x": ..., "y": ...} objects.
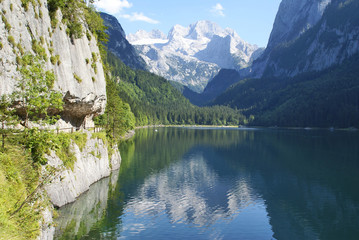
[
  {"x": 84, "y": 94},
  {"x": 92, "y": 164},
  {"x": 293, "y": 19}
]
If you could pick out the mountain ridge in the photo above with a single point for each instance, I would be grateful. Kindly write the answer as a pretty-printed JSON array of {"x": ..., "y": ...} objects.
[{"x": 193, "y": 55}]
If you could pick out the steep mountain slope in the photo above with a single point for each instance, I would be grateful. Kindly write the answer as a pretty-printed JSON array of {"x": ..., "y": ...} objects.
[
  {"x": 294, "y": 18},
  {"x": 193, "y": 55},
  {"x": 332, "y": 40},
  {"x": 219, "y": 84},
  {"x": 119, "y": 45},
  {"x": 323, "y": 99},
  {"x": 312, "y": 80},
  {"x": 154, "y": 100}
]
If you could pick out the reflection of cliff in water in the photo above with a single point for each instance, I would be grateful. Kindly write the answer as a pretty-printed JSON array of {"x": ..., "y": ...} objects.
[
  {"x": 308, "y": 180},
  {"x": 77, "y": 219}
]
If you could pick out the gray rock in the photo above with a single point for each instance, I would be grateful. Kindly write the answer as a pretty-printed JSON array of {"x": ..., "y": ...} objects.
[
  {"x": 82, "y": 99},
  {"x": 92, "y": 164}
]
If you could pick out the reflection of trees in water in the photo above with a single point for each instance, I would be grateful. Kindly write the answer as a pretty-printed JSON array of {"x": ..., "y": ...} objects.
[
  {"x": 307, "y": 179},
  {"x": 77, "y": 219}
]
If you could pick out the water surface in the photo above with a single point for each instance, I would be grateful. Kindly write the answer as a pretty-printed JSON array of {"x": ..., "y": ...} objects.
[{"x": 188, "y": 183}]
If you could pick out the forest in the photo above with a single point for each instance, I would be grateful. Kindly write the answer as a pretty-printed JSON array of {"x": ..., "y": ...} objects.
[
  {"x": 317, "y": 99},
  {"x": 153, "y": 100}
]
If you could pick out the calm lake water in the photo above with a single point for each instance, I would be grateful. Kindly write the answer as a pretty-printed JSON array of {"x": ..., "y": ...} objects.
[{"x": 187, "y": 183}]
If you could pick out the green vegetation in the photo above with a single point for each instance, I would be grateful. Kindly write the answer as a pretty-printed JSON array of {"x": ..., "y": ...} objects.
[
  {"x": 39, "y": 50},
  {"x": 11, "y": 40},
  {"x": 74, "y": 12},
  {"x": 24, "y": 152},
  {"x": 25, "y": 4},
  {"x": 7, "y": 24},
  {"x": 153, "y": 100},
  {"x": 78, "y": 79},
  {"x": 19, "y": 177},
  {"x": 36, "y": 99},
  {"x": 321, "y": 99},
  {"x": 55, "y": 59}
]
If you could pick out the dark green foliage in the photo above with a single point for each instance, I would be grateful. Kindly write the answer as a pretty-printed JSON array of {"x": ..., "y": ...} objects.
[
  {"x": 11, "y": 40},
  {"x": 78, "y": 79},
  {"x": 154, "y": 100},
  {"x": 39, "y": 143},
  {"x": 25, "y": 4},
  {"x": 325, "y": 99},
  {"x": 34, "y": 95},
  {"x": 74, "y": 13},
  {"x": 119, "y": 117},
  {"x": 7, "y": 24},
  {"x": 55, "y": 59},
  {"x": 39, "y": 50}
]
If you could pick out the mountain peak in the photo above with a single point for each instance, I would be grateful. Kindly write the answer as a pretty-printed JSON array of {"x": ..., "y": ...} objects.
[
  {"x": 141, "y": 37},
  {"x": 192, "y": 55},
  {"x": 204, "y": 28}
]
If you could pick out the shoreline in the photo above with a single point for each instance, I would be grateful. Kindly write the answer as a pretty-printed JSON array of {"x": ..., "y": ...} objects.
[{"x": 350, "y": 129}]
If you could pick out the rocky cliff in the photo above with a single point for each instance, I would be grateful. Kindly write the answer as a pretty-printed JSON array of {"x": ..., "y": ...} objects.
[
  {"x": 333, "y": 39},
  {"x": 294, "y": 18},
  {"x": 93, "y": 163},
  {"x": 75, "y": 62},
  {"x": 119, "y": 45},
  {"x": 27, "y": 28}
]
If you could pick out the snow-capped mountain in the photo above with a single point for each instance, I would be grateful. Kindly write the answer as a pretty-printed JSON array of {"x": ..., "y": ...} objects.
[{"x": 193, "y": 55}]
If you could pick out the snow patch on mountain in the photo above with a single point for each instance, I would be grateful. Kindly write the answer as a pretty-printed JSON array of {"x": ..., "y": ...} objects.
[{"x": 193, "y": 55}]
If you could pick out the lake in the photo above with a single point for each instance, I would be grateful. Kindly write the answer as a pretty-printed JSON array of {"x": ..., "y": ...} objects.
[{"x": 208, "y": 183}]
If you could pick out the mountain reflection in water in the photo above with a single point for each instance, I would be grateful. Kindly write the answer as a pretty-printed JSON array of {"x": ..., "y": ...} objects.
[{"x": 234, "y": 184}]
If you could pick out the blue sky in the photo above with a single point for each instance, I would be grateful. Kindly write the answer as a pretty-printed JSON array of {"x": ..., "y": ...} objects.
[{"x": 251, "y": 19}]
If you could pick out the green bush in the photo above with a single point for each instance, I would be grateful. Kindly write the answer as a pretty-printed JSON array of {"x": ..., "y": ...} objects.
[
  {"x": 78, "y": 79},
  {"x": 39, "y": 50},
  {"x": 11, "y": 40}
]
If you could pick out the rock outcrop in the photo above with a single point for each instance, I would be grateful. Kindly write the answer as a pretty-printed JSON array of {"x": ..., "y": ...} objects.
[
  {"x": 79, "y": 218},
  {"x": 294, "y": 17},
  {"x": 93, "y": 163},
  {"x": 119, "y": 45},
  {"x": 75, "y": 62},
  {"x": 308, "y": 36}
]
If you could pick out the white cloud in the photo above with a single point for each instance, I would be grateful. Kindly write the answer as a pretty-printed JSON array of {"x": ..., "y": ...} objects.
[
  {"x": 112, "y": 6},
  {"x": 139, "y": 17},
  {"x": 218, "y": 10}
]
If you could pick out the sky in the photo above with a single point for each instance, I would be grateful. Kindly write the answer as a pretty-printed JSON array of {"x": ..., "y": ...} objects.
[{"x": 251, "y": 19}]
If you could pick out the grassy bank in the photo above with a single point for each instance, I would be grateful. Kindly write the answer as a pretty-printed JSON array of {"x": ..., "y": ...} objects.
[{"x": 19, "y": 177}]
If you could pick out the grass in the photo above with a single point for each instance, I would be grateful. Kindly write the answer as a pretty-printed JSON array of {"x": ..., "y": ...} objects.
[
  {"x": 80, "y": 139},
  {"x": 18, "y": 178}
]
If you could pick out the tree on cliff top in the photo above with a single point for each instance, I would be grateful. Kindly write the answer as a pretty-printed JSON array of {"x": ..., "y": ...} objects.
[{"x": 34, "y": 98}]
